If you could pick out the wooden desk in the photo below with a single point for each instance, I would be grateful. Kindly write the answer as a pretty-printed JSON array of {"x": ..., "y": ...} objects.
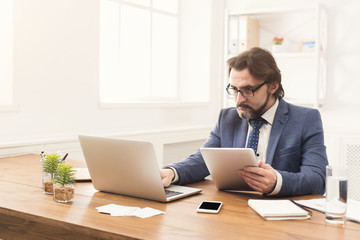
[{"x": 27, "y": 213}]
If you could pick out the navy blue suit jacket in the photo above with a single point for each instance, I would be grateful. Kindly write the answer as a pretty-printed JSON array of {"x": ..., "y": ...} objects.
[{"x": 296, "y": 148}]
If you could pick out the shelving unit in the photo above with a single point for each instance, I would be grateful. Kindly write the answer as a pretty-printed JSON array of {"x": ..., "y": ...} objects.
[{"x": 303, "y": 70}]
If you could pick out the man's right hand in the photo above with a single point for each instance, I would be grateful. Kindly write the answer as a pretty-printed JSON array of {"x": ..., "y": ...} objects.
[{"x": 167, "y": 175}]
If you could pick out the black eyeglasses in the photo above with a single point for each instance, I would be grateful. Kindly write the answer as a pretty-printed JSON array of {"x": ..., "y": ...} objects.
[{"x": 232, "y": 91}]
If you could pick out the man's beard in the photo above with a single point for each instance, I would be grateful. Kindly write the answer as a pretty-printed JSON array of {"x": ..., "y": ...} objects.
[{"x": 253, "y": 114}]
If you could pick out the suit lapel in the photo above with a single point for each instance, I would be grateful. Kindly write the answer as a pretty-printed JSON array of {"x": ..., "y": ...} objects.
[
  {"x": 241, "y": 129},
  {"x": 280, "y": 120}
]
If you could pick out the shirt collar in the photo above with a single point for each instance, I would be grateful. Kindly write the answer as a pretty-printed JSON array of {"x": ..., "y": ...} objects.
[{"x": 269, "y": 115}]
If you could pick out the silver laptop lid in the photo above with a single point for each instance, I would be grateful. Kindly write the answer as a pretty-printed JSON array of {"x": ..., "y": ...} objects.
[{"x": 123, "y": 166}]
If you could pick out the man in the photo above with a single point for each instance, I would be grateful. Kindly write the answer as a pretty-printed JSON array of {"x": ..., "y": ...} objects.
[{"x": 290, "y": 146}]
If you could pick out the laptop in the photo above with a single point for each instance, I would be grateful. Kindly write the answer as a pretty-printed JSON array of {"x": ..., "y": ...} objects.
[
  {"x": 128, "y": 167},
  {"x": 224, "y": 163}
]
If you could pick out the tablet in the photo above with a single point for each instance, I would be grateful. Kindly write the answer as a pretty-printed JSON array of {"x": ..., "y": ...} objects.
[{"x": 224, "y": 163}]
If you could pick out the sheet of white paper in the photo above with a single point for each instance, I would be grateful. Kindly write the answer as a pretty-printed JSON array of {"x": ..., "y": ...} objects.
[
  {"x": 352, "y": 212},
  {"x": 134, "y": 213},
  {"x": 119, "y": 210},
  {"x": 106, "y": 208},
  {"x": 124, "y": 211},
  {"x": 149, "y": 212}
]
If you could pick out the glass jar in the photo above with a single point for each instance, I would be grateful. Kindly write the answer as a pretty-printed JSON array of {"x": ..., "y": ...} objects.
[
  {"x": 42, "y": 172},
  {"x": 47, "y": 182},
  {"x": 64, "y": 194}
]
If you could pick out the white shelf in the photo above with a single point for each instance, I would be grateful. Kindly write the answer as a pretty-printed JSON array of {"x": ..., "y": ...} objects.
[
  {"x": 290, "y": 55},
  {"x": 255, "y": 12},
  {"x": 295, "y": 55},
  {"x": 303, "y": 73}
]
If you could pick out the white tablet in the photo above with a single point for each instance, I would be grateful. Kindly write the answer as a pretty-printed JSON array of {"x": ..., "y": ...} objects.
[{"x": 224, "y": 163}]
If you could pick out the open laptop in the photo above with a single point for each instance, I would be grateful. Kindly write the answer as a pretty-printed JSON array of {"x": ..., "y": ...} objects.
[{"x": 129, "y": 168}]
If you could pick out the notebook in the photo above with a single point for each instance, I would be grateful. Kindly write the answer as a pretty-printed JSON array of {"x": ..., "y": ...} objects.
[
  {"x": 129, "y": 168},
  {"x": 224, "y": 163},
  {"x": 278, "y": 209},
  {"x": 82, "y": 175}
]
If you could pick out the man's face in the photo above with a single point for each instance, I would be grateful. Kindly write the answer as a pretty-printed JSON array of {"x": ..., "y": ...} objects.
[{"x": 251, "y": 107}]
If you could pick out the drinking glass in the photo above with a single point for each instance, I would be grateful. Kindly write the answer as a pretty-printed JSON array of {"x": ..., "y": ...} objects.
[{"x": 336, "y": 194}]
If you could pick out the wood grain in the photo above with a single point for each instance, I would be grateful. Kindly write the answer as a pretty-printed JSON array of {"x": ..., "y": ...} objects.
[{"x": 27, "y": 213}]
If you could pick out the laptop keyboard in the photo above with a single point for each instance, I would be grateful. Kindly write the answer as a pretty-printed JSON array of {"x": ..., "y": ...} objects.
[{"x": 170, "y": 193}]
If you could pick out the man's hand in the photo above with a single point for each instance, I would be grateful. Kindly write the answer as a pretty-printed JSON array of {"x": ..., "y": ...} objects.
[
  {"x": 262, "y": 178},
  {"x": 167, "y": 175}
]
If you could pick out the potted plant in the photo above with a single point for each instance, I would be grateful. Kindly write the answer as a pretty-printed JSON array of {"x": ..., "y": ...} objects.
[
  {"x": 278, "y": 40},
  {"x": 64, "y": 183},
  {"x": 50, "y": 163},
  {"x": 277, "y": 47}
]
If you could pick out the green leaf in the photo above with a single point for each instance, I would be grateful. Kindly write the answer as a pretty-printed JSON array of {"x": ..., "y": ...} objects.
[
  {"x": 51, "y": 162},
  {"x": 65, "y": 174}
]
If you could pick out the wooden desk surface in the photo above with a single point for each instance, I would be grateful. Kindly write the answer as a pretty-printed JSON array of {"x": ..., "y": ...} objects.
[{"x": 27, "y": 213}]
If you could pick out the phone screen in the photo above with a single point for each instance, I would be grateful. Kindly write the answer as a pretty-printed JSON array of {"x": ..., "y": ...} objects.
[{"x": 210, "y": 205}]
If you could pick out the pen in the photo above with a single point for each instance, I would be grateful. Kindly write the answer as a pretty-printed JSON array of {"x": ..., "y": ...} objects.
[
  {"x": 302, "y": 207},
  {"x": 65, "y": 156}
]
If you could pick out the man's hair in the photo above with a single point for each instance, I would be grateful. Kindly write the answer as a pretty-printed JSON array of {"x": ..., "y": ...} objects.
[{"x": 261, "y": 65}]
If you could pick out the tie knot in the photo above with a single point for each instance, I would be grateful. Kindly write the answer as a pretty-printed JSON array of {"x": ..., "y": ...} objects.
[{"x": 257, "y": 123}]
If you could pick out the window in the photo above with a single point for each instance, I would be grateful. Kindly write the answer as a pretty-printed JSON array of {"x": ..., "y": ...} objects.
[
  {"x": 150, "y": 51},
  {"x": 6, "y": 50},
  {"x": 138, "y": 50}
]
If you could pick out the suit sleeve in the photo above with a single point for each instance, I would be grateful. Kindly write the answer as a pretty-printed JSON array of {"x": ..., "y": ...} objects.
[
  {"x": 311, "y": 177},
  {"x": 193, "y": 168}
]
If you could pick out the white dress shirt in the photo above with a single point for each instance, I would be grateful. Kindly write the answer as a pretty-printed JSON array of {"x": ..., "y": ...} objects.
[{"x": 264, "y": 136}]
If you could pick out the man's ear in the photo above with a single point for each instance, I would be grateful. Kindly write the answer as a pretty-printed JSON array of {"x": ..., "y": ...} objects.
[{"x": 273, "y": 87}]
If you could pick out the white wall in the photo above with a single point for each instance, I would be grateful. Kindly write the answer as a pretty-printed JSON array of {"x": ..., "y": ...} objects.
[
  {"x": 56, "y": 74},
  {"x": 56, "y": 78}
]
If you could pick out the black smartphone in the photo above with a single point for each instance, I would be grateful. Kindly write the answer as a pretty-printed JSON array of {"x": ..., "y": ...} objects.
[{"x": 209, "y": 207}]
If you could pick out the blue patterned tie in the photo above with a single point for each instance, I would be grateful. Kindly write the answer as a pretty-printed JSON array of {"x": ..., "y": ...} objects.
[{"x": 254, "y": 134}]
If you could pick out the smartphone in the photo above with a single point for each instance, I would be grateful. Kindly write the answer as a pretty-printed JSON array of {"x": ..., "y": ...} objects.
[{"x": 209, "y": 207}]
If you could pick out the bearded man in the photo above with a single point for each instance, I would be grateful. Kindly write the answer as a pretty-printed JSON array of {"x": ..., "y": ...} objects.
[{"x": 289, "y": 139}]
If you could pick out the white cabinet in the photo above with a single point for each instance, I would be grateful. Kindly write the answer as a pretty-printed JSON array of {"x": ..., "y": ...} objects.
[
  {"x": 302, "y": 55},
  {"x": 343, "y": 148}
]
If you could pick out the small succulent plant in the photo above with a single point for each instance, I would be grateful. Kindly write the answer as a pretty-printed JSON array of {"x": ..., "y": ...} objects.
[
  {"x": 65, "y": 174},
  {"x": 51, "y": 162}
]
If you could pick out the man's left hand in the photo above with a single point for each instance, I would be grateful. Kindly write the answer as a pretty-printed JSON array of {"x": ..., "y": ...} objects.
[{"x": 261, "y": 178}]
